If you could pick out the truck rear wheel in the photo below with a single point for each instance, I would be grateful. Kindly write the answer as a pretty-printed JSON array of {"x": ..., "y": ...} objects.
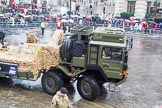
[
  {"x": 88, "y": 88},
  {"x": 51, "y": 82}
]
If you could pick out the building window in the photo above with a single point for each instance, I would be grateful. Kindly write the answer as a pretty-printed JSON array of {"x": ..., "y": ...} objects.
[
  {"x": 90, "y": 1},
  {"x": 131, "y": 6},
  {"x": 149, "y": 7}
]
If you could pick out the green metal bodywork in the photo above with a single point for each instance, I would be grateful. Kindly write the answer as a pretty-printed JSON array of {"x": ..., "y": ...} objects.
[
  {"x": 78, "y": 62},
  {"x": 100, "y": 38},
  {"x": 86, "y": 30},
  {"x": 25, "y": 75},
  {"x": 113, "y": 69},
  {"x": 64, "y": 69},
  {"x": 114, "y": 35},
  {"x": 20, "y": 75}
]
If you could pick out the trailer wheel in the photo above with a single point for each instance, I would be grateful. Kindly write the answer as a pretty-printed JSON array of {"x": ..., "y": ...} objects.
[
  {"x": 51, "y": 82},
  {"x": 88, "y": 88}
]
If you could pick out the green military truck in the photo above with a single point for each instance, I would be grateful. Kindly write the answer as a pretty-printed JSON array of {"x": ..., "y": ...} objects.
[{"x": 90, "y": 57}]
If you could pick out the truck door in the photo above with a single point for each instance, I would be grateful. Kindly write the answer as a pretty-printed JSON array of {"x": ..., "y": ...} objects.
[
  {"x": 111, "y": 61},
  {"x": 93, "y": 56}
]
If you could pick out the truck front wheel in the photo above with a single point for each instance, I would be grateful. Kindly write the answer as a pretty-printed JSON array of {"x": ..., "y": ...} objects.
[
  {"x": 51, "y": 82},
  {"x": 88, "y": 88}
]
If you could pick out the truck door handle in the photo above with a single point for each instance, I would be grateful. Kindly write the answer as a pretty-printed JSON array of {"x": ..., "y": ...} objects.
[{"x": 106, "y": 65}]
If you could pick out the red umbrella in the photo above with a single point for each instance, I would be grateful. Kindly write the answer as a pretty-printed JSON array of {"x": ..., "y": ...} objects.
[
  {"x": 144, "y": 22},
  {"x": 135, "y": 21},
  {"x": 21, "y": 8},
  {"x": 132, "y": 18}
]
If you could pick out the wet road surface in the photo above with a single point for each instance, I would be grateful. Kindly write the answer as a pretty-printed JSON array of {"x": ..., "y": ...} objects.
[{"x": 143, "y": 88}]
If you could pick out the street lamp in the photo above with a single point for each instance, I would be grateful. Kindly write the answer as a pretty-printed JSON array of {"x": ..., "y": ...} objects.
[
  {"x": 70, "y": 5},
  {"x": 69, "y": 12}
]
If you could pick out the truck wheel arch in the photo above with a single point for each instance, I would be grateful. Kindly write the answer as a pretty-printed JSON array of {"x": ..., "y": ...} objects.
[
  {"x": 61, "y": 69},
  {"x": 99, "y": 76}
]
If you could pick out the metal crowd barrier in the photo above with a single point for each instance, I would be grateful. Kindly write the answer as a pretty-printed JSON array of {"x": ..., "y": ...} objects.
[
  {"x": 49, "y": 25},
  {"x": 128, "y": 29},
  {"x": 52, "y": 25},
  {"x": 25, "y": 26},
  {"x": 16, "y": 26}
]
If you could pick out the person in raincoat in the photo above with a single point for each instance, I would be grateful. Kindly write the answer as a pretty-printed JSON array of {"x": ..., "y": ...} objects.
[
  {"x": 43, "y": 26},
  {"x": 12, "y": 20},
  {"x": 31, "y": 38},
  {"x": 58, "y": 25},
  {"x": 109, "y": 25},
  {"x": 60, "y": 99}
]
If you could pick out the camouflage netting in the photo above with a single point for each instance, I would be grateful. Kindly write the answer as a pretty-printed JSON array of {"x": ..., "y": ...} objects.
[{"x": 34, "y": 57}]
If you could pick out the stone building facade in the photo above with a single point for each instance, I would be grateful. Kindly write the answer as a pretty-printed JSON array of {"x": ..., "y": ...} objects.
[{"x": 138, "y": 7}]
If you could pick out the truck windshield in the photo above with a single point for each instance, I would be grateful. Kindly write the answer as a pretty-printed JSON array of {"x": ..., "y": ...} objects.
[{"x": 112, "y": 53}]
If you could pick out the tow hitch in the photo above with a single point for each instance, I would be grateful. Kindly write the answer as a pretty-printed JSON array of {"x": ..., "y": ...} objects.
[{"x": 112, "y": 86}]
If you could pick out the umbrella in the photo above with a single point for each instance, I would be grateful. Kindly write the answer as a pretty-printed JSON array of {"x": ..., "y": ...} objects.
[
  {"x": 144, "y": 22},
  {"x": 21, "y": 8},
  {"x": 132, "y": 18},
  {"x": 108, "y": 19},
  {"x": 64, "y": 16},
  {"x": 1, "y": 15},
  {"x": 63, "y": 20},
  {"x": 8, "y": 14},
  {"x": 90, "y": 16},
  {"x": 27, "y": 16},
  {"x": 135, "y": 21},
  {"x": 127, "y": 21},
  {"x": 71, "y": 20},
  {"x": 75, "y": 16}
]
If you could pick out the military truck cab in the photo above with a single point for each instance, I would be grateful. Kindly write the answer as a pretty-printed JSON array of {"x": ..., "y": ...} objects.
[
  {"x": 107, "y": 51},
  {"x": 91, "y": 58}
]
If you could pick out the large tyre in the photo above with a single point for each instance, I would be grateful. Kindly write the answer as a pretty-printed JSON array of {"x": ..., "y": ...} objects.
[
  {"x": 88, "y": 88},
  {"x": 51, "y": 82},
  {"x": 66, "y": 49}
]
